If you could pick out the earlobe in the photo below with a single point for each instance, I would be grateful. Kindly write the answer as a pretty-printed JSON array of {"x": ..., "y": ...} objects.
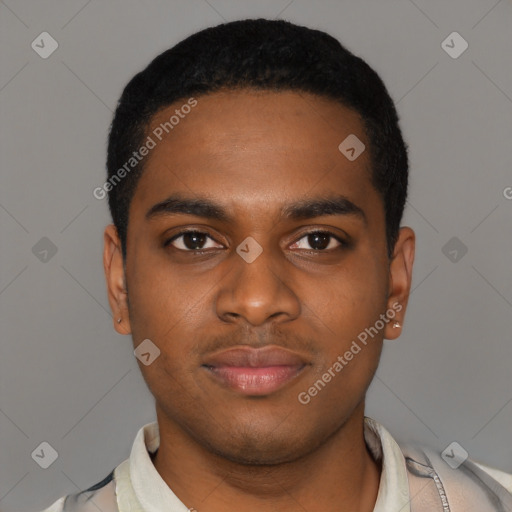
[
  {"x": 113, "y": 265},
  {"x": 400, "y": 278}
]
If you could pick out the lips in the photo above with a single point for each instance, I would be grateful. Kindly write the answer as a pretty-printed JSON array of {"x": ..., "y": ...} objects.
[{"x": 255, "y": 372}]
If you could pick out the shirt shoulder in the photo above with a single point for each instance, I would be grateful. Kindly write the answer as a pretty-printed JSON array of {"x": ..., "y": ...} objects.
[
  {"x": 101, "y": 496},
  {"x": 57, "y": 506},
  {"x": 461, "y": 484},
  {"x": 505, "y": 479}
]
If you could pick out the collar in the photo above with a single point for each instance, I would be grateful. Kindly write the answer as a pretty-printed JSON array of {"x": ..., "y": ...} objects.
[{"x": 140, "y": 488}]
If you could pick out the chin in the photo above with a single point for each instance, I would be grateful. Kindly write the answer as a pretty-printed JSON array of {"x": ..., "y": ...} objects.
[
  {"x": 255, "y": 447},
  {"x": 248, "y": 454}
]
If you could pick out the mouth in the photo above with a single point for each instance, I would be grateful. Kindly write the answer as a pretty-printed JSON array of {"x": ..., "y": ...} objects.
[{"x": 255, "y": 372}]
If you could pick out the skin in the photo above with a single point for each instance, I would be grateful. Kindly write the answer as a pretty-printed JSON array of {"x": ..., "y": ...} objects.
[{"x": 252, "y": 153}]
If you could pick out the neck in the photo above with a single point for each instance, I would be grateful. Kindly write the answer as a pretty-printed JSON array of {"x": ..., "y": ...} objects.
[{"x": 339, "y": 475}]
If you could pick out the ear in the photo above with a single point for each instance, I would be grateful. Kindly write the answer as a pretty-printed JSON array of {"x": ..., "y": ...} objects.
[
  {"x": 114, "y": 275},
  {"x": 400, "y": 277}
]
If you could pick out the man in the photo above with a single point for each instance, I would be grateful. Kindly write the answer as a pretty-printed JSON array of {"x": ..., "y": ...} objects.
[{"x": 257, "y": 177}]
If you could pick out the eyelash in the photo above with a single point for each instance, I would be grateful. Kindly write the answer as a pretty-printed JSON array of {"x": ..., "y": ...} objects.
[{"x": 343, "y": 243}]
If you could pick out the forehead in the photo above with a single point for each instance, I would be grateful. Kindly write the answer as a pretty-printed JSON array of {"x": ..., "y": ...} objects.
[
  {"x": 240, "y": 119},
  {"x": 273, "y": 146}
]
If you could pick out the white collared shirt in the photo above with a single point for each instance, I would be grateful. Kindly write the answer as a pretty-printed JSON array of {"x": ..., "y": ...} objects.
[{"x": 136, "y": 486}]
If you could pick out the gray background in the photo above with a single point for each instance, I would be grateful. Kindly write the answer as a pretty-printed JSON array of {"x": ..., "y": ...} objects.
[{"x": 68, "y": 379}]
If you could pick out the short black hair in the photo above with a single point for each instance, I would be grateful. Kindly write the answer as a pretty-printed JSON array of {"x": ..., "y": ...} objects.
[{"x": 273, "y": 55}]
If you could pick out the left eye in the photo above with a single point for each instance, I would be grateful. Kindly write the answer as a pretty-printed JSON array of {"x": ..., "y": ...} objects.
[
  {"x": 319, "y": 241},
  {"x": 190, "y": 239}
]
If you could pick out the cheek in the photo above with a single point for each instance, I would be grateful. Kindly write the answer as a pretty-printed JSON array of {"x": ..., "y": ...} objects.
[
  {"x": 167, "y": 305},
  {"x": 171, "y": 307},
  {"x": 157, "y": 299},
  {"x": 355, "y": 296},
  {"x": 349, "y": 312}
]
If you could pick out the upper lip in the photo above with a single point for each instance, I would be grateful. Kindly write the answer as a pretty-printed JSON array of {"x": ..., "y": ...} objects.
[{"x": 255, "y": 357}]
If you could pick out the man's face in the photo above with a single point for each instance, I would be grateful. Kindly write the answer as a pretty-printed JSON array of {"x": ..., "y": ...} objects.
[{"x": 321, "y": 278}]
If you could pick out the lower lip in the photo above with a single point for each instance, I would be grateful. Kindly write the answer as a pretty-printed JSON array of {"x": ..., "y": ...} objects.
[{"x": 255, "y": 381}]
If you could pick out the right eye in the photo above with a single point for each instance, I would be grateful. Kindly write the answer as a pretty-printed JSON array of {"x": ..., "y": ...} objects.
[{"x": 190, "y": 241}]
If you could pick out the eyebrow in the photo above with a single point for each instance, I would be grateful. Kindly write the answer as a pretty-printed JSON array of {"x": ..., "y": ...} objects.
[{"x": 177, "y": 204}]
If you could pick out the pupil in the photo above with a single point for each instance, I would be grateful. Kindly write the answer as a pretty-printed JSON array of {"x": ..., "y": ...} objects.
[
  {"x": 195, "y": 239},
  {"x": 315, "y": 237}
]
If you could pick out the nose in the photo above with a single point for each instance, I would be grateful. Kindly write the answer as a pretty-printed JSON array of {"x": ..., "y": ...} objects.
[{"x": 257, "y": 290}]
